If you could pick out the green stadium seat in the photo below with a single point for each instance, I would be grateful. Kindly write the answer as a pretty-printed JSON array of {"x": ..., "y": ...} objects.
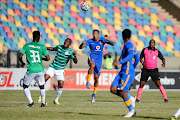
[
  {"x": 44, "y": 7},
  {"x": 102, "y": 26},
  {"x": 146, "y": 16},
  {"x": 57, "y": 36},
  {"x": 50, "y": 19},
  {"x": 3, "y": 5},
  {"x": 2, "y": 40},
  {"x": 80, "y": 25},
  {"x": 170, "y": 54},
  {"x": 37, "y": 13},
  {"x": 96, "y": 2},
  {"x": 45, "y": 2},
  {"x": 110, "y": 21},
  {"x": 67, "y": 14},
  {"x": 17, "y": 18},
  {"x": 31, "y": 1},
  {"x": 65, "y": 25},
  {"x": 103, "y": 15},
  {"x": 15, "y": 40},
  {"x": 162, "y": 23},
  {"x": 74, "y": 2},
  {"x": 38, "y": 24},
  {"x": 125, "y": 16},
  {"x": 145, "y": 4},
  {"x": 76, "y": 31}
]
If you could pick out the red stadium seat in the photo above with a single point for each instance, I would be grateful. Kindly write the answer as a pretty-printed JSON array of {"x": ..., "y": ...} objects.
[
  {"x": 148, "y": 33},
  {"x": 154, "y": 28},
  {"x": 17, "y": 12},
  {"x": 54, "y": 30},
  {"x": 71, "y": 36},
  {"x": 132, "y": 22},
  {"x": 10, "y": 35},
  {"x": 95, "y": 9},
  {"x": 28, "y": 30},
  {"x": 113, "y": 38},
  {"x": 178, "y": 34},
  {"x": 31, "y": 7},
  {"x": 73, "y": 25},
  {"x": 116, "y": 9},
  {"x": 170, "y": 38},
  {"x": 146, "y": 10},
  {"x": 160, "y": 16},
  {"x": 176, "y": 29},
  {"x": 37, "y": 19},
  {"x": 7, "y": 29},
  {"x": 139, "y": 27},
  {"x": 90, "y": 36},
  {"x": 163, "y": 44},
  {"x": 105, "y": 51},
  {"x": 134, "y": 43},
  {"x": 74, "y": 14},
  {"x": 44, "y": 24},
  {"x": 4, "y": 1},
  {"x": 52, "y": 2},
  {"x": 10, "y": 18},
  {"x": 80, "y": 20},
  {"x": 59, "y": 8},
  {"x": 52, "y": 13},
  {"x": 80, "y": 2},
  {"x": 103, "y": 21},
  {"x": 124, "y": 4}
]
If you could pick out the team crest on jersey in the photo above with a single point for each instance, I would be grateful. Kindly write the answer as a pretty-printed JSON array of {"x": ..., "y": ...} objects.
[
  {"x": 66, "y": 53},
  {"x": 98, "y": 48},
  {"x": 154, "y": 57}
]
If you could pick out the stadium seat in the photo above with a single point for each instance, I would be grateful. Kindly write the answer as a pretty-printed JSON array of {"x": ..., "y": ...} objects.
[
  {"x": 51, "y": 7},
  {"x": 88, "y": 20},
  {"x": 44, "y": 13},
  {"x": 10, "y": 12},
  {"x": 52, "y": 13},
  {"x": 131, "y": 4},
  {"x": 58, "y": 19},
  {"x": 61, "y": 30},
  {"x": 96, "y": 15},
  {"x": 30, "y": 18},
  {"x": 74, "y": 8}
]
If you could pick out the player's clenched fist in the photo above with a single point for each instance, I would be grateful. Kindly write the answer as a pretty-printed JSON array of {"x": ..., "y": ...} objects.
[{"x": 74, "y": 54}]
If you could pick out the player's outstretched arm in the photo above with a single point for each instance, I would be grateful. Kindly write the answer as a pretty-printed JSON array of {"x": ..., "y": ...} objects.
[
  {"x": 109, "y": 41},
  {"x": 83, "y": 45},
  {"x": 75, "y": 60},
  {"x": 50, "y": 48},
  {"x": 46, "y": 58},
  {"x": 20, "y": 59}
]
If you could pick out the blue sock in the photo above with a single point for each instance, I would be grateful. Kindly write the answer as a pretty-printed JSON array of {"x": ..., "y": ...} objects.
[
  {"x": 128, "y": 103},
  {"x": 93, "y": 94},
  {"x": 129, "y": 94}
]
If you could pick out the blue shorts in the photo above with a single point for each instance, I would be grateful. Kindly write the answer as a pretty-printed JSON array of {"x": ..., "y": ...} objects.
[
  {"x": 124, "y": 81},
  {"x": 97, "y": 69}
]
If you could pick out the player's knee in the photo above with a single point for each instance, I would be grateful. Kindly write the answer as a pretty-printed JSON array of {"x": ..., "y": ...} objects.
[
  {"x": 41, "y": 87},
  {"x": 92, "y": 65},
  {"x": 113, "y": 90}
]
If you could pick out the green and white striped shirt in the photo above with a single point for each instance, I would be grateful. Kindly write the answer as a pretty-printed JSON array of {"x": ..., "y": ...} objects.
[{"x": 62, "y": 57}]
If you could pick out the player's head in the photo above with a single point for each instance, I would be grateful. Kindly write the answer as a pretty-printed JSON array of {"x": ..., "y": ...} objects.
[
  {"x": 67, "y": 42},
  {"x": 36, "y": 36},
  {"x": 152, "y": 43},
  {"x": 126, "y": 34},
  {"x": 96, "y": 34}
]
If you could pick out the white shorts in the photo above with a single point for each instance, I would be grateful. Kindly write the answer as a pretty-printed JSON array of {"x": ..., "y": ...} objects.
[
  {"x": 59, "y": 73},
  {"x": 38, "y": 77}
]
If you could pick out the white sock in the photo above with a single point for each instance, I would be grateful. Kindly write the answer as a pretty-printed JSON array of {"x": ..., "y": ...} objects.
[
  {"x": 43, "y": 94},
  {"x": 28, "y": 95},
  {"x": 177, "y": 113},
  {"x": 59, "y": 92}
]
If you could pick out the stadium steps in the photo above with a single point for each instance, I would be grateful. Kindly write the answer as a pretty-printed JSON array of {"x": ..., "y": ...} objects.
[{"x": 164, "y": 12}]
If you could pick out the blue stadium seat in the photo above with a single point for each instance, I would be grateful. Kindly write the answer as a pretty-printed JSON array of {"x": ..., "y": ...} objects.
[
  {"x": 13, "y": 46},
  {"x": 41, "y": 29},
  {"x": 31, "y": 24},
  {"x": 87, "y": 26},
  {"x": 130, "y": 10},
  {"x": 28, "y": 40},
  {"x": 89, "y": 14},
  {"x": 24, "y": 35},
  {"x": 85, "y": 37},
  {"x": 30, "y": 12},
  {"x": 23, "y": 12},
  {"x": 63, "y": 36},
  {"x": 16, "y": 6},
  {"x": 155, "y": 33},
  {"x": 124, "y": 21},
  {"x": 4, "y": 12},
  {"x": 170, "y": 34},
  {"x": 37, "y": 6},
  {"x": 109, "y": 3},
  {"x": 73, "y": 20},
  {"x": 24, "y": 23},
  {"x": 59, "y": 14},
  {"x": 146, "y": 43},
  {"x": 95, "y": 20},
  {"x": 42, "y": 18},
  {"x": 10, "y": 5},
  {"x": 44, "y": 36},
  {"x": 164, "y": 39},
  {"x": 139, "y": 22},
  {"x": 146, "y": 22},
  {"x": 23, "y": 19},
  {"x": 4, "y": 23},
  {"x": 24, "y": 1},
  {"x": 131, "y": 15},
  {"x": 123, "y": 10},
  {"x": 67, "y": 2},
  {"x": 139, "y": 16},
  {"x": 68, "y": 30},
  {"x": 142, "y": 38},
  {"x": 109, "y": 9},
  {"x": 3, "y": 34},
  {"x": 102, "y": 3},
  {"x": 59, "y": 25},
  {"x": 66, "y": 8},
  {"x": 134, "y": 33},
  {"x": 153, "y": 10},
  {"x": 110, "y": 15},
  {"x": 8, "y": 40},
  {"x": 169, "y": 22},
  {"x": 1, "y": 29},
  {"x": 21, "y": 30},
  {"x": 139, "y": 4},
  {"x": 49, "y": 41}
]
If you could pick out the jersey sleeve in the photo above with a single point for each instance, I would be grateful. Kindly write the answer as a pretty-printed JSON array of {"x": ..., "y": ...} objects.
[
  {"x": 160, "y": 55},
  {"x": 45, "y": 52},
  {"x": 142, "y": 54},
  {"x": 104, "y": 40},
  {"x": 130, "y": 50},
  {"x": 136, "y": 57},
  {"x": 23, "y": 51},
  {"x": 72, "y": 56},
  {"x": 55, "y": 48},
  {"x": 87, "y": 42}
]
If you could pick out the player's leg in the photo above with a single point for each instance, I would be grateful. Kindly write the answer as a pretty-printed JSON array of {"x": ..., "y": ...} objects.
[
  {"x": 90, "y": 71},
  {"x": 175, "y": 116},
  {"x": 144, "y": 78},
  {"x": 96, "y": 77},
  {"x": 156, "y": 78},
  {"x": 26, "y": 82},
  {"x": 60, "y": 77}
]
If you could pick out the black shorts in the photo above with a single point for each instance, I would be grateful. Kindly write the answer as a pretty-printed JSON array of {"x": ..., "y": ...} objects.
[{"x": 153, "y": 73}]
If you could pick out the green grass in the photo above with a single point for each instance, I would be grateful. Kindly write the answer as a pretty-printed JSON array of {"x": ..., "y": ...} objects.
[{"x": 77, "y": 105}]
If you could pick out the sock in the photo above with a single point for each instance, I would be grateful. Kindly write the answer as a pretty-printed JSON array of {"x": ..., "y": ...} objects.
[
  {"x": 140, "y": 90},
  {"x": 43, "y": 94},
  {"x": 95, "y": 90},
  {"x": 59, "y": 92},
  {"x": 89, "y": 77},
  {"x": 129, "y": 94},
  {"x": 161, "y": 88},
  {"x": 28, "y": 95},
  {"x": 128, "y": 104},
  {"x": 177, "y": 113}
]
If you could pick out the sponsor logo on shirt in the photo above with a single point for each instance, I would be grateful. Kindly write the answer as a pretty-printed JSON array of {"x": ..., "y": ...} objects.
[
  {"x": 98, "y": 48},
  {"x": 154, "y": 57},
  {"x": 66, "y": 53}
]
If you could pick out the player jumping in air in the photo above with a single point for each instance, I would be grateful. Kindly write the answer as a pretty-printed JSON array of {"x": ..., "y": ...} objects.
[
  {"x": 125, "y": 77},
  {"x": 64, "y": 54},
  {"x": 150, "y": 55},
  {"x": 34, "y": 52},
  {"x": 96, "y": 45}
]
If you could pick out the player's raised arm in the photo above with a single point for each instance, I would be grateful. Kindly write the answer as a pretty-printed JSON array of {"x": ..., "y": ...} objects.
[
  {"x": 75, "y": 60},
  {"x": 109, "y": 41},
  {"x": 83, "y": 45},
  {"x": 50, "y": 48}
]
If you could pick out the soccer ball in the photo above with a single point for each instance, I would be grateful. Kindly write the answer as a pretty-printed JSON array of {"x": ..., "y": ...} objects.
[{"x": 85, "y": 6}]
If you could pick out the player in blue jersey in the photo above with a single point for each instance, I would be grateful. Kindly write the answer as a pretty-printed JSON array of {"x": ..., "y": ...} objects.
[
  {"x": 125, "y": 77},
  {"x": 96, "y": 45}
]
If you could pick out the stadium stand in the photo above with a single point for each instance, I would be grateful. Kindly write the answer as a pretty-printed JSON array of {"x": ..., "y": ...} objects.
[{"x": 58, "y": 19}]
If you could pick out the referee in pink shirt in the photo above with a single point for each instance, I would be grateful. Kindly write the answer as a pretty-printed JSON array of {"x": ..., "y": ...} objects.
[{"x": 150, "y": 55}]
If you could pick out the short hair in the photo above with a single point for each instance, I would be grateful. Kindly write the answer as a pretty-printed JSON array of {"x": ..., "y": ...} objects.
[
  {"x": 152, "y": 40},
  {"x": 36, "y": 35},
  {"x": 95, "y": 30},
  {"x": 69, "y": 39},
  {"x": 126, "y": 34}
]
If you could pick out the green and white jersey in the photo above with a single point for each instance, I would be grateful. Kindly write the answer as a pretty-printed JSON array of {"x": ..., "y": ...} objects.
[
  {"x": 34, "y": 52},
  {"x": 62, "y": 57}
]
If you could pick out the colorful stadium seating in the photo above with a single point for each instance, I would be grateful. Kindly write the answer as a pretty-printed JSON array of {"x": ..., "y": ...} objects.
[{"x": 59, "y": 19}]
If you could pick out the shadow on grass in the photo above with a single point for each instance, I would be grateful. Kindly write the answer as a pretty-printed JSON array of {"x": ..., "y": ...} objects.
[{"x": 147, "y": 117}]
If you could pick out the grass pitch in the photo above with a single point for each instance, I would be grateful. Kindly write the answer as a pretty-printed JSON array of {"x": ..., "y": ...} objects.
[{"x": 76, "y": 105}]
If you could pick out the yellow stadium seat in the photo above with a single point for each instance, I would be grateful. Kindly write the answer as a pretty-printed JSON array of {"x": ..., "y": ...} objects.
[
  {"x": 30, "y": 18},
  {"x": 22, "y": 40},
  {"x": 48, "y": 45},
  {"x": 58, "y": 19},
  {"x": 51, "y": 7},
  {"x": 141, "y": 33},
  {"x": 17, "y": 1},
  {"x": 55, "y": 41},
  {"x": 139, "y": 10},
  {"x": 4, "y": 18},
  {"x": 10, "y": 12},
  {"x": 105, "y": 32},
  {"x": 131, "y": 4},
  {"x": 88, "y": 20},
  {"x": 95, "y": 26},
  {"x": 157, "y": 39},
  {"x": 77, "y": 36},
  {"x": 140, "y": 44},
  {"x": 170, "y": 44},
  {"x": 154, "y": 16},
  {"x": 90, "y": 3},
  {"x": 147, "y": 28},
  {"x": 176, "y": 54},
  {"x": 102, "y": 9},
  {"x": 134, "y": 38},
  {"x": 18, "y": 24},
  {"x": 83, "y": 31},
  {"x": 30, "y": 35},
  {"x": 60, "y": 2},
  {"x": 112, "y": 0},
  {"x": 34, "y": 29},
  {"x": 117, "y": 15},
  {"x": 76, "y": 47},
  {"x": 118, "y": 27},
  {"x": 51, "y": 25},
  {"x": 44, "y": 13},
  {"x": 1, "y": 47},
  {"x": 23, "y": 6},
  {"x": 48, "y": 30},
  {"x": 154, "y": 22},
  {"x": 117, "y": 21},
  {"x": 20, "y": 45},
  {"x": 169, "y": 29},
  {"x": 74, "y": 8},
  {"x": 96, "y": 15},
  {"x": 61, "y": 30},
  {"x": 50, "y": 36}
]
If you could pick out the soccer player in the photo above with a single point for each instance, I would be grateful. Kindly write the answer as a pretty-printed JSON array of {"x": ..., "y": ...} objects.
[
  {"x": 96, "y": 45},
  {"x": 125, "y": 77},
  {"x": 34, "y": 52},
  {"x": 64, "y": 54},
  {"x": 175, "y": 116},
  {"x": 150, "y": 55}
]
